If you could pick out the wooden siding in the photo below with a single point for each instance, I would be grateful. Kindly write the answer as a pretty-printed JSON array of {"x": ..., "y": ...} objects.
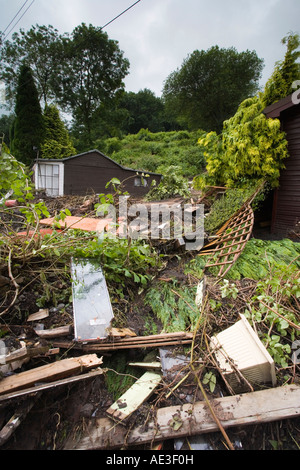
[
  {"x": 90, "y": 172},
  {"x": 286, "y": 210}
]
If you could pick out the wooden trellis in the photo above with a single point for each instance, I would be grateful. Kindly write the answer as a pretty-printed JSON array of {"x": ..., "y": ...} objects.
[{"x": 230, "y": 240}]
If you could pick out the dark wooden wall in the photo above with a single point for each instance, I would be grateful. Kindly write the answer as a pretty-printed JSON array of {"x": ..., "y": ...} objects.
[
  {"x": 286, "y": 207},
  {"x": 89, "y": 173}
]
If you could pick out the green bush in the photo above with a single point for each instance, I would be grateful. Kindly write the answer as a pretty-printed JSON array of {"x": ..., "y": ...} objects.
[
  {"x": 173, "y": 184},
  {"x": 147, "y": 151}
]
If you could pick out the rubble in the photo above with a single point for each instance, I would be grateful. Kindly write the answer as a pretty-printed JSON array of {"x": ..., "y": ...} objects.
[
  {"x": 194, "y": 419},
  {"x": 167, "y": 398}
]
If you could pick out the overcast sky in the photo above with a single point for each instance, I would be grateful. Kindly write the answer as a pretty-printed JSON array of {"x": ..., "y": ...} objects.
[{"x": 157, "y": 35}]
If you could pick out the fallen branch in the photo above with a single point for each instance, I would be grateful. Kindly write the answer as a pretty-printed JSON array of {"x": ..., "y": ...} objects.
[
  {"x": 293, "y": 325},
  {"x": 46, "y": 386}
]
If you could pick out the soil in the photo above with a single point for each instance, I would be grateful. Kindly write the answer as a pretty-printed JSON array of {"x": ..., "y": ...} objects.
[{"x": 63, "y": 412}]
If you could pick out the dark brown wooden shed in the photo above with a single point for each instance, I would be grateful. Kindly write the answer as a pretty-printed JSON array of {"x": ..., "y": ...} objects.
[
  {"x": 286, "y": 199},
  {"x": 89, "y": 173}
]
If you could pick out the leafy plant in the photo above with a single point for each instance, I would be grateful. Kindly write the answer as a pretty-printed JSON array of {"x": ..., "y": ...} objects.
[
  {"x": 174, "y": 306},
  {"x": 14, "y": 176},
  {"x": 210, "y": 379},
  {"x": 229, "y": 290},
  {"x": 172, "y": 184},
  {"x": 226, "y": 205},
  {"x": 251, "y": 147}
]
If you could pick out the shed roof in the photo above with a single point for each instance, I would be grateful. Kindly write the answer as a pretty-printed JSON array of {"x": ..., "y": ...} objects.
[
  {"x": 43, "y": 160},
  {"x": 274, "y": 110}
]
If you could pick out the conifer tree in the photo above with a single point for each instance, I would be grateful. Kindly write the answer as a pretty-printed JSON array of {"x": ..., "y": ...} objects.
[
  {"x": 28, "y": 124},
  {"x": 57, "y": 142},
  {"x": 286, "y": 72}
]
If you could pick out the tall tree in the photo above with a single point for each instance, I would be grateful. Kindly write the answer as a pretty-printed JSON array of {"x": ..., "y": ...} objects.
[
  {"x": 145, "y": 110},
  {"x": 28, "y": 126},
  {"x": 210, "y": 85},
  {"x": 93, "y": 72},
  {"x": 285, "y": 72},
  {"x": 57, "y": 142}
]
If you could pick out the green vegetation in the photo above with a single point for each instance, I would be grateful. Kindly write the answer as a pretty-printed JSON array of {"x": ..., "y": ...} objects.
[
  {"x": 28, "y": 129},
  {"x": 251, "y": 146},
  {"x": 232, "y": 200},
  {"x": 78, "y": 71},
  {"x": 280, "y": 84},
  {"x": 56, "y": 142},
  {"x": 256, "y": 260},
  {"x": 209, "y": 86},
  {"x": 13, "y": 176},
  {"x": 173, "y": 305},
  {"x": 272, "y": 269},
  {"x": 153, "y": 151},
  {"x": 173, "y": 184}
]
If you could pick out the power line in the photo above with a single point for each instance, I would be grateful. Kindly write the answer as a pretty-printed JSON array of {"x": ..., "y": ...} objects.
[
  {"x": 15, "y": 16},
  {"x": 120, "y": 14},
  {"x": 18, "y": 19}
]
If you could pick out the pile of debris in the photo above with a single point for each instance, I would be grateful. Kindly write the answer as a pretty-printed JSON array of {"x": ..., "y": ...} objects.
[{"x": 173, "y": 394}]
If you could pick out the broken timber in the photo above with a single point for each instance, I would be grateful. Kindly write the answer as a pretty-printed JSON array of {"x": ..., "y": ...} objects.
[
  {"x": 49, "y": 372},
  {"x": 194, "y": 419},
  {"x": 65, "y": 330},
  {"x": 19, "y": 415},
  {"x": 153, "y": 341},
  {"x": 46, "y": 386},
  {"x": 134, "y": 396}
]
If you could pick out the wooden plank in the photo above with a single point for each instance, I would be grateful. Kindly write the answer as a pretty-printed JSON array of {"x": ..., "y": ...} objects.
[
  {"x": 194, "y": 419},
  {"x": 166, "y": 339},
  {"x": 47, "y": 386},
  {"x": 103, "y": 347},
  {"x": 134, "y": 396},
  {"x": 42, "y": 313},
  {"x": 120, "y": 332},
  {"x": 17, "y": 358},
  {"x": 49, "y": 372},
  {"x": 164, "y": 336},
  {"x": 55, "y": 332}
]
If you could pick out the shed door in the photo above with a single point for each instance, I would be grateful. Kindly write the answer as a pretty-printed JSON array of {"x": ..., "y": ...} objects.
[{"x": 48, "y": 178}]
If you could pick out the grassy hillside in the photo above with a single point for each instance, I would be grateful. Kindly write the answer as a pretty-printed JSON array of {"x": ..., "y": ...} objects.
[{"x": 149, "y": 151}]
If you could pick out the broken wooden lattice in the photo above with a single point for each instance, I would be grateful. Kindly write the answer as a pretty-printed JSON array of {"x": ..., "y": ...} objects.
[{"x": 231, "y": 239}]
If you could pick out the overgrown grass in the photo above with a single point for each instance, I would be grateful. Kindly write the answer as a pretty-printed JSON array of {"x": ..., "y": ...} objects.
[{"x": 148, "y": 151}]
